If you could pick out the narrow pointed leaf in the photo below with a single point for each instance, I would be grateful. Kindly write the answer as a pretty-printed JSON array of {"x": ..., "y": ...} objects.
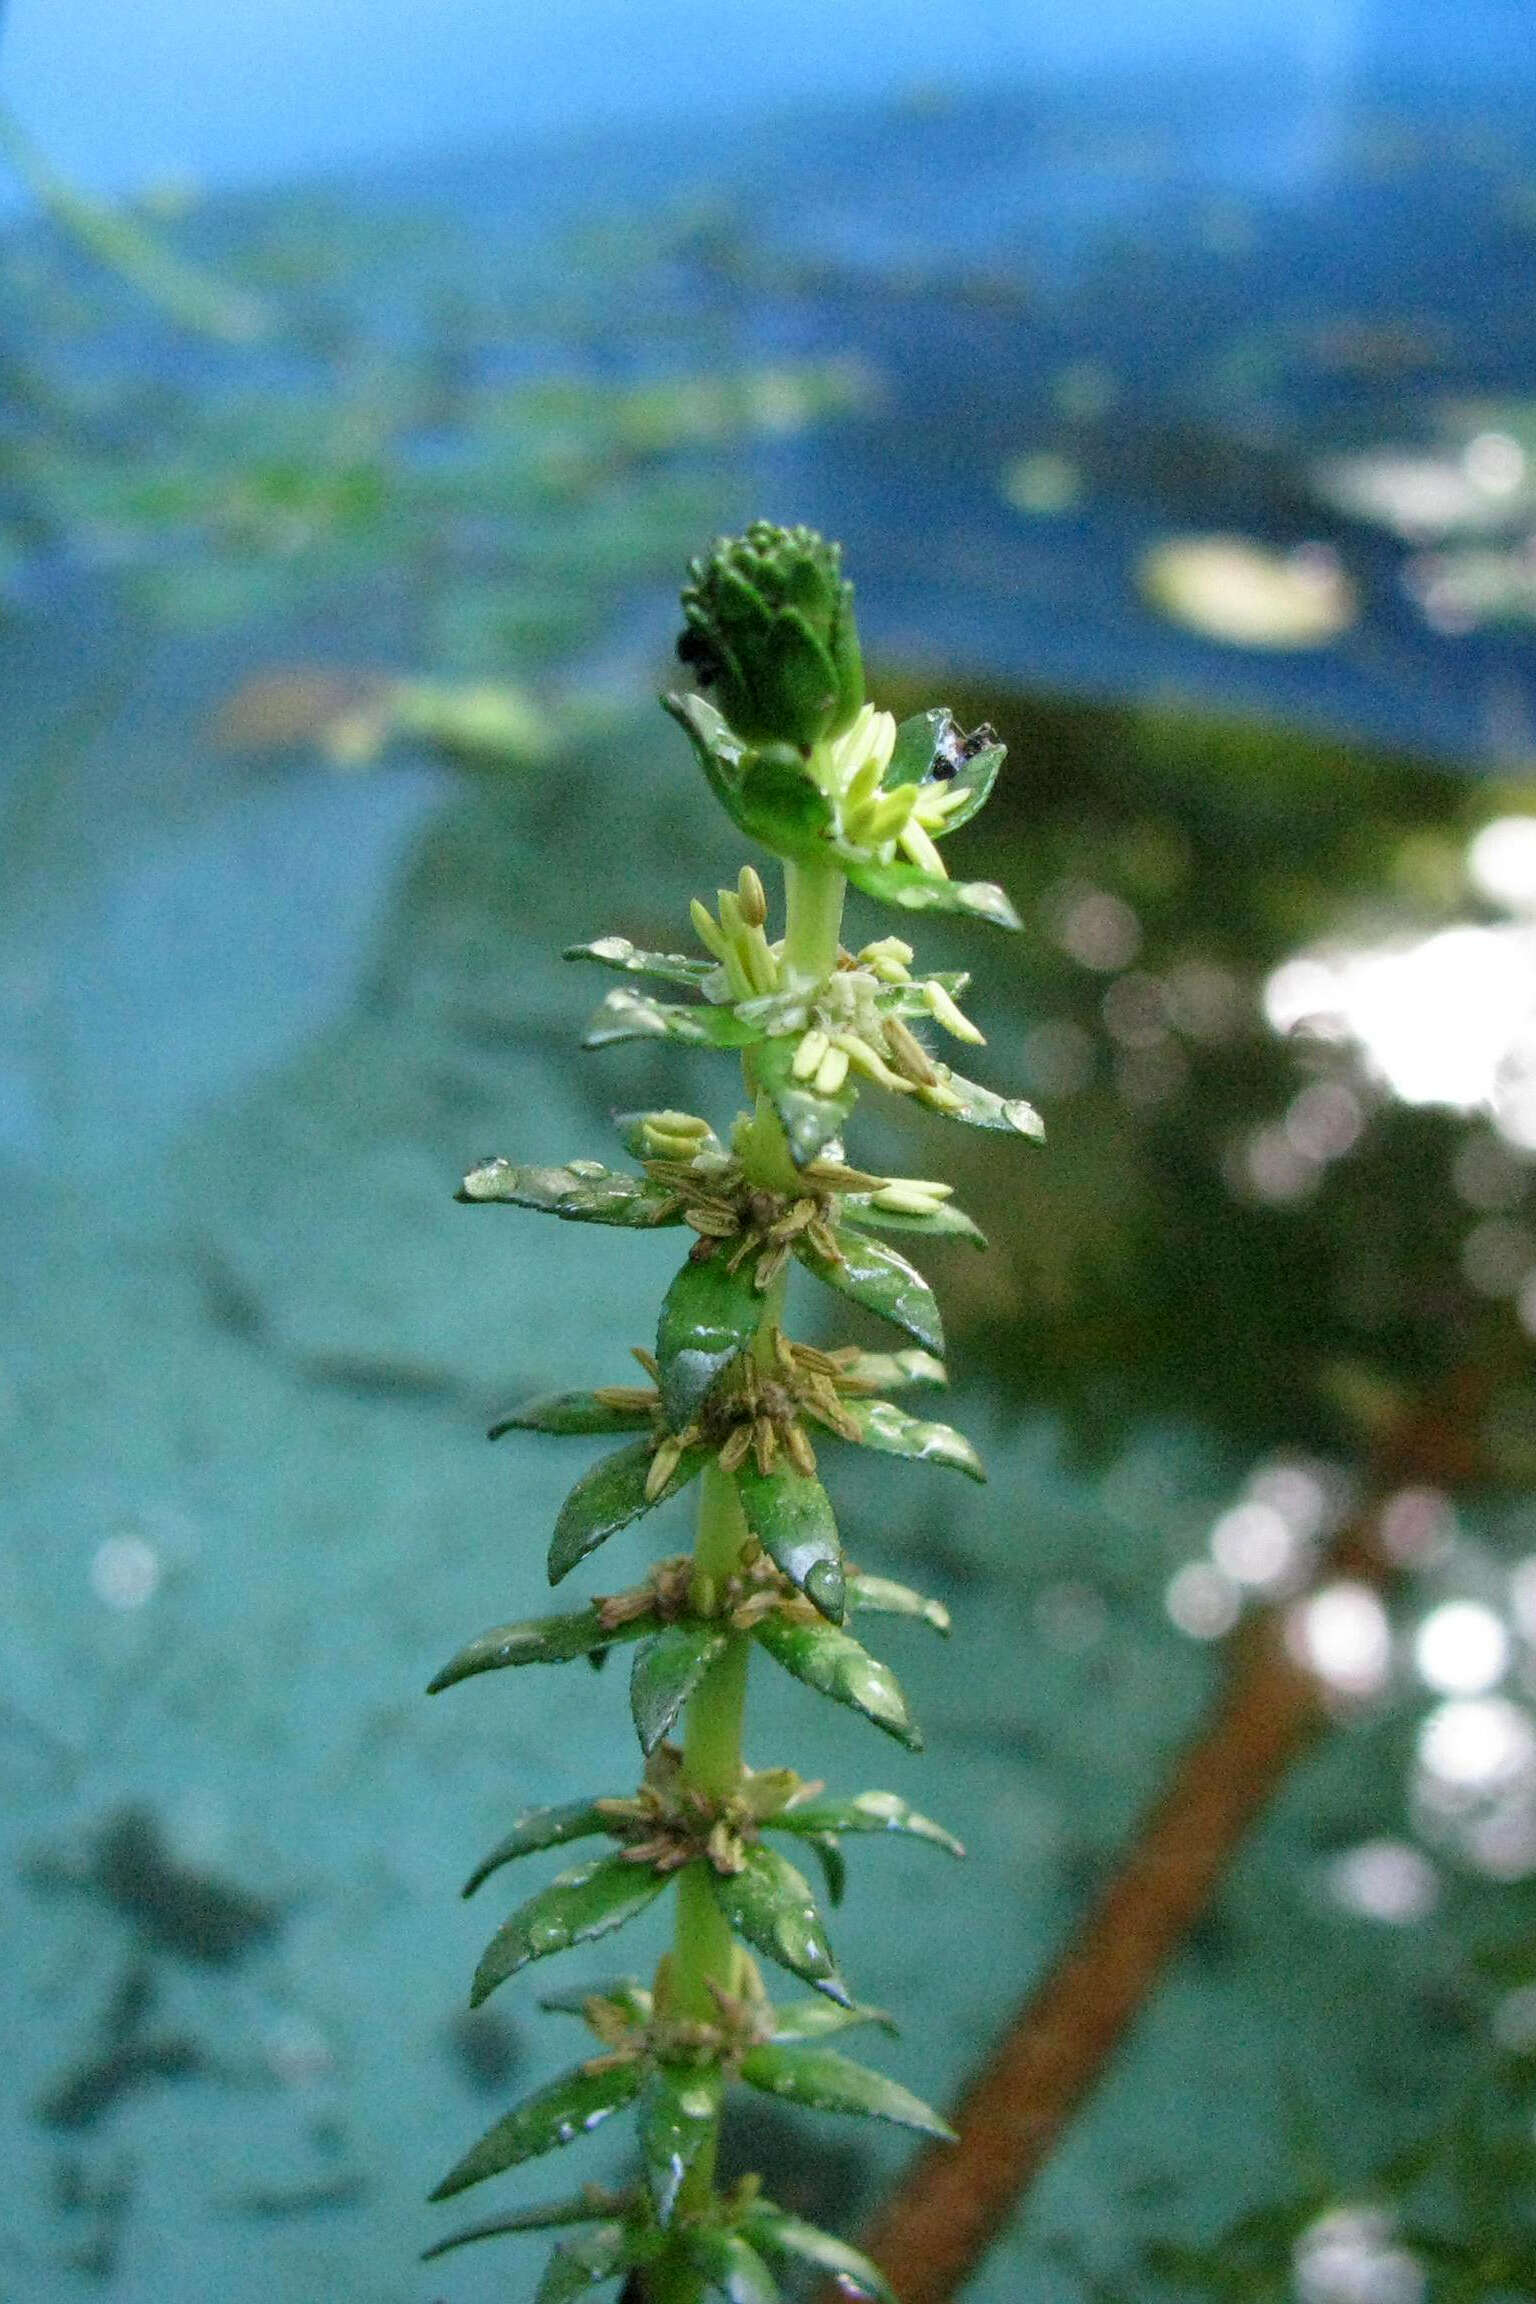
[
  {"x": 810, "y": 1122},
  {"x": 931, "y": 747},
  {"x": 891, "y": 1430},
  {"x": 566, "y": 1413},
  {"x": 627, "y": 1015},
  {"x": 878, "y": 1596},
  {"x": 770, "y": 1905},
  {"x": 588, "y": 1901},
  {"x": 667, "y": 1669},
  {"x": 791, "y": 1516},
  {"x": 589, "y": 2207},
  {"x": 833, "y": 1870},
  {"x": 772, "y": 802},
  {"x": 828, "y": 2082},
  {"x": 865, "y": 1812},
  {"x": 557, "y": 2114},
  {"x": 536, "y": 1640},
  {"x": 899, "y": 1371},
  {"x": 946, "y": 1223},
  {"x": 679, "y": 2113},
  {"x": 882, "y": 1280},
  {"x": 770, "y": 2229},
  {"x": 815, "y": 2019},
  {"x": 583, "y": 1192},
  {"x": 626, "y": 1993},
  {"x": 914, "y": 890},
  {"x": 667, "y": 967},
  {"x": 731, "y": 2267},
  {"x": 578, "y": 2265},
  {"x": 835, "y": 1665},
  {"x": 538, "y": 1828},
  {"x": 984, "y": 1108},
  {"x": 709, "y": 1316},
  {"x": 608, "y": 1498}
]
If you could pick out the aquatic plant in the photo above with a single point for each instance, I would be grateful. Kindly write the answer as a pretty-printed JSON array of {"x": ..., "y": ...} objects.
[{"x": 843, "y": 797}]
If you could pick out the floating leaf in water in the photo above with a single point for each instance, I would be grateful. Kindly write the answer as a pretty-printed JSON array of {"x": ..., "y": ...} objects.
[
  {"x": 589, "y": 1900},
  {"x": 835, "y": 1665},
  {"x": 1250, "y": 595},
  {"x": 569, "y": 2107},
  {"x": 769, "y": 1904}
]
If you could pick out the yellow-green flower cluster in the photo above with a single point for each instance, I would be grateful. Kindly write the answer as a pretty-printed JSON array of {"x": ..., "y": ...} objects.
[{"x": 850, "y": 769}]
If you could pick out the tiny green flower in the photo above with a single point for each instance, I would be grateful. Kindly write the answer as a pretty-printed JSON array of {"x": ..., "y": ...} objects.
[{"x": 769, "y": 626}]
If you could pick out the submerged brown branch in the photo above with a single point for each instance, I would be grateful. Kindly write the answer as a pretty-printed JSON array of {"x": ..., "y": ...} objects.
[{"x": 956, "y": 2200}]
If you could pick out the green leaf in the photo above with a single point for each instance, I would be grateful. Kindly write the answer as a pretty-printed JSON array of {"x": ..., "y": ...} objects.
[
  {"x": 833, "y": 1869},
  {"x": 835, "y": 1665},
  {"x": 626, "y": 1993},
  {"x": 667, "y": 1669},
  {"x": 589, "y": 2207},
  {"x": 588, "y": 1901},
  {"x": 578, "y": 2265},
  {"x": 769, "y": 1904},
  {"x": 632, "y": 1134},
  {"x": 810, "y": 1122},
  {"x": 708, "y": 1318},
  {"x": 984, "y": 1108},
  {"x": 536, "y": 1640},
  {"x": 828, "y": 2082},
  {"x": 583, "y": 1192},
  {"x": 538, "y": 1828},
  {"x": 880, "y": 1279},
  {"x": 865, "y": 1812},
  {"x": 946, "y": 1223},
  {"x": 568, "y": 1413},
  {"x": 897, "y": 1371},
  {"x": 888, "y": 1428},
  {"x": 627, "y": 1015},
  {"x": 679, "y": 2113},
  {"x": 878, "y": 1596},
  {"x": 731, "y": 2266},
  {"x": 766, "y": 794},
  {"x": 916, "y": 746},
  {"x": 668, "y": 967},
  {"x": 930, "y": 747},
  {"x": 791, "y": 1516},
  {"x": 557, "y": 2114},
  {"x": 914, "y": 890},
  {"x": 857, "y": 2278},
  {"x": 608, "y": 1497},
  {"x": 814, "y": 2019}
]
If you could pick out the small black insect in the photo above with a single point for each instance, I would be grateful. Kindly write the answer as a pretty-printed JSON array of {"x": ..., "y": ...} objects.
[
  {"x": 694, "y": 649},
  {"x": 954, "y": 749}
]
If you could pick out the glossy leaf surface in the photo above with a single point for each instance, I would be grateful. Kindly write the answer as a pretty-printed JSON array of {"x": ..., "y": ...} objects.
[
  {"x": 790, "y": 1514},
  {"x": 835, "y": 1665},
  {"x": 570, "y": 1413},
  {"x": 538, "y": 1828},
  {"x": 557, "y": 2114},
  {"x": 879, "y": 1596},
  {"x": 899, "y": 1371},
  {"x": 707, "y": 1319},
  {"x": 666, "y": 967},
  {"x": 914, "y": 890},
  {"x": 667, "y": 1669},
  {"x": 930, "y": 747},
  {"x": 894, "y": 1433},
  {"x": 881, "y": 1279},
  {"x": 866, "y": 1812},
  {"x": 810, "y": 1122},
  {"x": 578, "y": 2265},
  {"x": 586, "y": 2208},
  {"x": 608, "y": 1498},
  {"x": 833, "y": 1869},
  {"x": 678, "y": 2115},
  {"x": 984, "y": 1108},
  {"x": 627, "y": 1015},
  {"x": 536, "y": 1640},
  {"x": 816, "y": 2019},
  {"x": 828, "y": 2082},
  {"x": 590, "y": 1900},
  {"x": 770, "y": 1905},
  {"x": 946, "y": 1223},
  {"x": 583, "y": 1192},
  {"x": 731, "y": 2267},
  {"x": 771, "y": 2230},
  {"x": 626, "y": 1993}
]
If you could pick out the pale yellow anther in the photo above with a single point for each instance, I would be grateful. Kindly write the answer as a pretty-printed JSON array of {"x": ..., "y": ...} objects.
[
  {"x": 752, "y": 897},
  {"x": 707, "y": 929},
  {"x": 758, "y": 959},
  {"x": 730, "y": 914},
  {"x": 954, "y": 1019},
  {"x": 832, "y": 1071},
  {"x": 863, "y": 785},
  {"x": 808, "y": 1055},
  {"x": 915, "y": 841},
  {"x": 865, "y": 1059},
  {"x": 903, "y": 1199}
]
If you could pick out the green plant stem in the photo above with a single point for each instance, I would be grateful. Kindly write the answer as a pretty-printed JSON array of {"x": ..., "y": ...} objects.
[{"x": 813, "y": 918}]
